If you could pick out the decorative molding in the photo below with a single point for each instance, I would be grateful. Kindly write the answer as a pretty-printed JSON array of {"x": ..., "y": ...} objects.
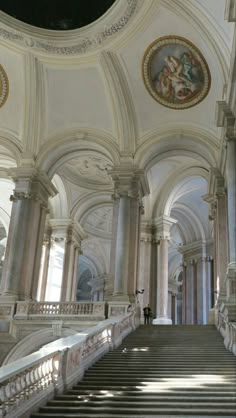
[
  {"x": 230, "y": 11},
  {"x": 124, "y": 111},
  {"x": 88, "y": 170},
  {"x": 4, "y": 86},
  {"x": 78, "y": 41}
]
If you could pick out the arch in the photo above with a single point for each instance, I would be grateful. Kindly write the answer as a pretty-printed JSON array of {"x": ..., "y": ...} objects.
[
  {"x": 93, "y": 263},
  {"x": 89, "y": 203},
  {"x": 172, "y": 141},
  {"x": 33, "y": 342},
  {"x": 171, "y": 192},
  {"x": 208, "y": 27},
  {"x": 65, "y": 146},
  {"x": 59, "y": 203},
  {"x": 12, "y": 146},
  {"x": 192, "y": 221},
  {"x": 165, "y": 198},
  {"x": 7, "y": 187}
]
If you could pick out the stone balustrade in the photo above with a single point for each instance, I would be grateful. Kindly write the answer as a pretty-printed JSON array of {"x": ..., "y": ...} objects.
[
  {"x": 32, "y": 380},
  {"x": 226, "y": 324},
  {"x": 60, "y": 309}
]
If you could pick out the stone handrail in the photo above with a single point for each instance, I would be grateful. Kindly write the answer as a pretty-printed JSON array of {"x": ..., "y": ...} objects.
[
  {"x": 226, "y": 324},
  {"x": 56, "y": 309},
  {"x": 31, "y": 381}
]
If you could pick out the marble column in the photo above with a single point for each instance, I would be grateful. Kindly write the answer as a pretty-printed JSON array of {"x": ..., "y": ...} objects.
[
  {"x": 184, "y": 295},
  {"x": 130, "y": 186},
  {"x": 122, "y": 250},
  {"x": 210, "y": 283},
  {"x": 222, "y": 244},
  {"x": 231, "y": 200},
  {"x": 44, "y": 266},
  {"x": 217, "y": 200},
  {"x": 147, "y": 267},
  {"x": 25, "y": 238},
  {"x": 62, "y": 277},
  {"x": 74, "y": 236},
  {"x": 55, "y": 267},
  {"x": 189, "y": 292},
  {"x": 202, "y": 291},
  {"x": 163, "y": 225}
]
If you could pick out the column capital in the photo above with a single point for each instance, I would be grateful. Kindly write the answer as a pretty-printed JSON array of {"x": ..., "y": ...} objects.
[
  {"x": 230, "y": 11},
  {"x": 70, "y": 231},
  {"x": 212, "y": 201},
  {"x": 129, "y": 181},
  {"x": 216, "y": 183},
  {"x": 163, "y": 225},
  {"x": 226, "y": 119},
  {"x": 31, "y": 184}
]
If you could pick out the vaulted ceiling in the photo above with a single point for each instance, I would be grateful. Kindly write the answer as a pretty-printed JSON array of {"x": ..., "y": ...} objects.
[{"x": 78, "y": 104}]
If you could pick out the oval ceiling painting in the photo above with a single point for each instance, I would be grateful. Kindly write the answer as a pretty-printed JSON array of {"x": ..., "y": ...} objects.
[
  {"x": 3, "y": 86},
  {"x": 175, "y": 72}
]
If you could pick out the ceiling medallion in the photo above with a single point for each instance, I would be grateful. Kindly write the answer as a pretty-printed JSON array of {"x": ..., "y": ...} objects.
[
  {"x": 175, "y": 72},
  {"x": 4, "y": 86}
]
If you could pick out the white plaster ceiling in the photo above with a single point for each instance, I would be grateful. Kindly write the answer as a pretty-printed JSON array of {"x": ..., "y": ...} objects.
[
  {"x": 98, "y": 222},
  {"x": 77, "y": 104},
  {"x": 76, "y": 97}
]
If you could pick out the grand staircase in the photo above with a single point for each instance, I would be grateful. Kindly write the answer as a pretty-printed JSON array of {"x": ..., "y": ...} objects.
[{"x": 157, "y": 371}]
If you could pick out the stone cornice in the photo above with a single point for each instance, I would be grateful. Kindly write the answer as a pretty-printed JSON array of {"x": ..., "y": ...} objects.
[{"x": 73, "y": 42}]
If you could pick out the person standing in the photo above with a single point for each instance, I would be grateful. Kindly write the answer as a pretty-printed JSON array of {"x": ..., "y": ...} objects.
[{"x": 147, "y": 314}]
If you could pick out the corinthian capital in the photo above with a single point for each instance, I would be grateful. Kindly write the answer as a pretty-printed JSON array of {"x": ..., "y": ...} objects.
[
  {"x": 163, "y": 225},
  {"x": 32, "y": 184},
  {"x": 129, "y": 181}
]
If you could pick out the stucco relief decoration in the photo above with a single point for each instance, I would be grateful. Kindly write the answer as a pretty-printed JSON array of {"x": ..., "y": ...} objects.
[
  {"x": 4, "y": 86},
  {"x": 100, "y": 219},
  {"x": 175, "y": 72},
  {"x": 91, "y": 168}
]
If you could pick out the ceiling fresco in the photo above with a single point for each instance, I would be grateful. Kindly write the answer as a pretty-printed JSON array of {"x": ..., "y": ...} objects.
[{"x": 176, "y": 73}]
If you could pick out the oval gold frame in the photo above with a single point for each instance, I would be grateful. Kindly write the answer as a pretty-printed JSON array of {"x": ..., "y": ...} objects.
[
  {"x": 5, "y": 86},
  {"x": 146, "y": 71}
]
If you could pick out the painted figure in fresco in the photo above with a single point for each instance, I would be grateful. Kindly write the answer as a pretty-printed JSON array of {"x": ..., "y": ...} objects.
[{"x": 180, "y": 77}]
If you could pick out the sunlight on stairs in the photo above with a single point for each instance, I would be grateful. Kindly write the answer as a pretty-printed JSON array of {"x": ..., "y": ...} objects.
[{"x": 157, "y": 371}]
